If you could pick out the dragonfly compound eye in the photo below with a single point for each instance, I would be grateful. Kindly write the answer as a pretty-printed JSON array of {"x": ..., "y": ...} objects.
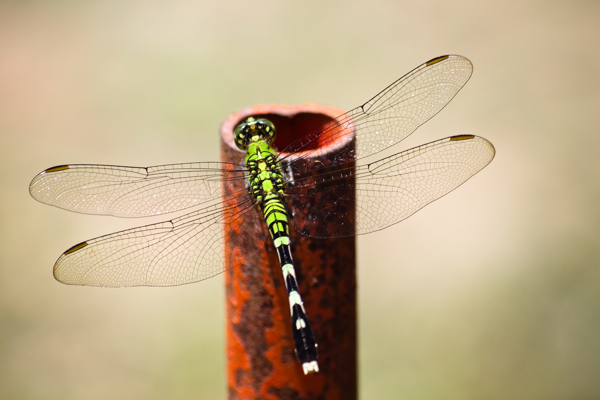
[{"x": 253, "y": 130}]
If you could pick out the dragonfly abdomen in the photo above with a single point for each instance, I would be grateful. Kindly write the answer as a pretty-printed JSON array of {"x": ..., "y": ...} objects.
[{"x": 304, "y": 341}]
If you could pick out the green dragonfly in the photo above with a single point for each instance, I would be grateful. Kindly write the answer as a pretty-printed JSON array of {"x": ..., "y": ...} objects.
[{"x": 190, "y": 248}]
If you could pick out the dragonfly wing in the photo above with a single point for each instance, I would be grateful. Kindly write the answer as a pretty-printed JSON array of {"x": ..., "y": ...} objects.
[
  {"x": 387, "y": 118},
  {"x": 132, "y": 191},
  {"x": 183, "y": 250},
  {"x": 387, "y": 191}
]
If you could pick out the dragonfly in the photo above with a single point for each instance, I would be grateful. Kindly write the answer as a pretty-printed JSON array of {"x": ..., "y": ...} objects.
[{"x": 191, "y": 247}]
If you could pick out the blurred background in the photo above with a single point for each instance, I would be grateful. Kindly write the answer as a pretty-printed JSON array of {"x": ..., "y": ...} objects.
[{"x": 493, "y": 292}]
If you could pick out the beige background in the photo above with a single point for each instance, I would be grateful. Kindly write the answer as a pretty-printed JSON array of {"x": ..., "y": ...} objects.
[{"x": 491, "y": 293}]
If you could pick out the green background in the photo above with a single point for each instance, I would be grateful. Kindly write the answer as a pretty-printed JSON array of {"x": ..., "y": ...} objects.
[{"x": 492, "y": 292}]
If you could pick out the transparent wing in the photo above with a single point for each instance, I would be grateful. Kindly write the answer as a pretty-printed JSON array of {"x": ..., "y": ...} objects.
[
  {"x": 183, "y": 250},
  {"x": 387, "y": 118},
  {"x": 386, "y": 191},
  {"x": 132, "y": 191}
]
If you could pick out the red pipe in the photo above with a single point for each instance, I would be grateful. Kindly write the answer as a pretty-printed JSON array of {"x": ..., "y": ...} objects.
[{"x": 261, "y": 363}]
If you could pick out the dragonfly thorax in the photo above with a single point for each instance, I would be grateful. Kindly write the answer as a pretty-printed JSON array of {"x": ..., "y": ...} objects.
[{"x": 253, "y": 130}]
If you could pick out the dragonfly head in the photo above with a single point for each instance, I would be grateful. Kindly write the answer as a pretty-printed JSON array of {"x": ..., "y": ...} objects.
[{"x": 253, "y": 130}]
